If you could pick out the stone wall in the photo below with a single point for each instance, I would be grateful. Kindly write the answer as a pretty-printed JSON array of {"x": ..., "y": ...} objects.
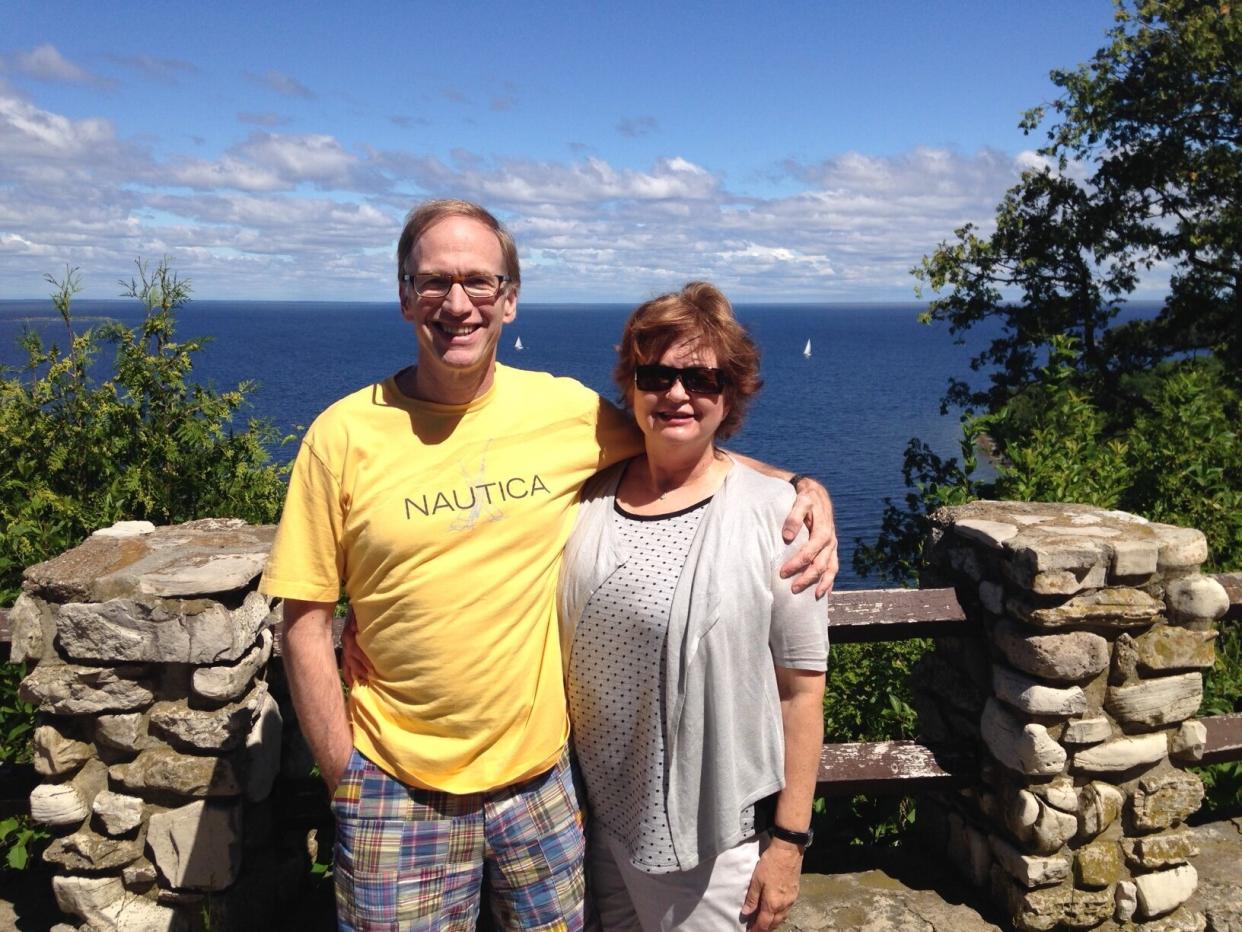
[
  {"x": 1080, "y": 696},
  {"x": 157, "y": 736}
]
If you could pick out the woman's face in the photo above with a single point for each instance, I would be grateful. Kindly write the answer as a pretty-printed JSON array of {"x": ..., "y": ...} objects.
[{"x": 675, "y": 416}]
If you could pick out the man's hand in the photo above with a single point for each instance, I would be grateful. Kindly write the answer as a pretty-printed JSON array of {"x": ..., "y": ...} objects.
[
  {"x": 773, "y": 886},
  {"x": 355, "y": 665},
  {"x": 310, "y": 664},
  {"x": 817, "y": 558}
]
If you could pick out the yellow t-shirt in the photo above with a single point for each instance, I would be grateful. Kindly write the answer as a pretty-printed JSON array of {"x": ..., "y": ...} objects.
[{"x": 445, "y": 524}]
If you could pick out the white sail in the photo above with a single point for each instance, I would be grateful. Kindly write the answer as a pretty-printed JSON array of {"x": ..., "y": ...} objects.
[
  {"x": 517, "y": 344},
  {"x": 806, "y": 350}
]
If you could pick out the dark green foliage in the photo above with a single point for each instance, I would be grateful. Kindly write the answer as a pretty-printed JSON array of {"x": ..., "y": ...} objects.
[
  {"x": 1142, "y": 171},
  {"x": 145, "y": 442}
]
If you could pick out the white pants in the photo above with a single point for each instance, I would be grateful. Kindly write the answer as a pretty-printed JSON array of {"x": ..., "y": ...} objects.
[{"x": 707, "y": 898}]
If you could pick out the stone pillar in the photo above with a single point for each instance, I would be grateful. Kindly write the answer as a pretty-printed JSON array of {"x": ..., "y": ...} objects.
[
  {"x": 157, "y": 738},
  {"x": 1080, "y": 696}
]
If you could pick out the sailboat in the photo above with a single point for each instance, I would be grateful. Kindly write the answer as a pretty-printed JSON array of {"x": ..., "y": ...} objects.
[
  {"x": 517, "y": 344},
  {"x": 806, "y": 350}
]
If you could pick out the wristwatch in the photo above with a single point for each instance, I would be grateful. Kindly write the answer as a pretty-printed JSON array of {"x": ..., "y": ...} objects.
[
  {"x": 794, "y": 838},
  {"x": 796, "y": 478}
]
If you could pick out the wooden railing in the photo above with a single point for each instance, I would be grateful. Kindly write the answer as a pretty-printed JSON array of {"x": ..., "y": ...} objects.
[{"x": 880, "y": 767}]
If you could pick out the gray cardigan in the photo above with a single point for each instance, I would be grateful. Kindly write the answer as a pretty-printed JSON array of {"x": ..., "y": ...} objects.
[{"x": 732, "y": 620}]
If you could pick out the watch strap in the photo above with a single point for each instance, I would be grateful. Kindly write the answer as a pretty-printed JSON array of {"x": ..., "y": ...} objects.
[{"x": 794, "y": 838}]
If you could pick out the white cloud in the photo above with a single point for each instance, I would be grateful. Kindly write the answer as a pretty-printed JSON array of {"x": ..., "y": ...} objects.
[
  {"x": 306, "y": 215},
  {"x": 45, "y": 63}
]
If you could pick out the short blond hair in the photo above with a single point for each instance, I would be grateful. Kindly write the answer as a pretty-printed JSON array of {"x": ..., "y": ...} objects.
[{"x": 428, "y": 213}]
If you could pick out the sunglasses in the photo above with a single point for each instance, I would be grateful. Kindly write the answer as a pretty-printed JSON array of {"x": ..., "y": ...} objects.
[{"x": 702, "y": 380}]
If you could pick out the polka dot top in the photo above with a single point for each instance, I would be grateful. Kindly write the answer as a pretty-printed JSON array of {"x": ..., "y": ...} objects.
[{"x": 616, "y": 687}]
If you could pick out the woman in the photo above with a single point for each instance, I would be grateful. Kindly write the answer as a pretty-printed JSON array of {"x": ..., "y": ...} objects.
[{"x": 695, "y": 677}]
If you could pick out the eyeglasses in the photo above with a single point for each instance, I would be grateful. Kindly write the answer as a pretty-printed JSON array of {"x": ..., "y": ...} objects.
[
  {"x": 480, "y": 286},
  {"x": 702, "y": 380}
]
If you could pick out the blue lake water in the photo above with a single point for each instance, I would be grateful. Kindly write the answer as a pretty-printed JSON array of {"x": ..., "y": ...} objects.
[{"x": 874, "y": 378}]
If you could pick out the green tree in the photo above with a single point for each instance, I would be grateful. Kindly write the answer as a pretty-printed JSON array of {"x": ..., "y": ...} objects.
[
  {"x": 1142, "y": 176},
  {"x": 143, "y": 442}
]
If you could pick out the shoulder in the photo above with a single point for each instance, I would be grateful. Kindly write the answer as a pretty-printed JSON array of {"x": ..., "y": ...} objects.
[
  {"x": 334, "y": 423},
  {"x": 553, "y": 387},
  {"x": 758, "y": 493}
]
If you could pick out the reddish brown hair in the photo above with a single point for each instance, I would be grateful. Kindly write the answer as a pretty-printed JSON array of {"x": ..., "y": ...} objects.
[{"x": 701, "y": 315}]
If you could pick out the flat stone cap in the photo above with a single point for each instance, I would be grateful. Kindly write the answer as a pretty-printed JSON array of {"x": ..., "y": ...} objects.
[
  {"x": 133, "y": 559},
  {"x": 1058, "y": 547}
]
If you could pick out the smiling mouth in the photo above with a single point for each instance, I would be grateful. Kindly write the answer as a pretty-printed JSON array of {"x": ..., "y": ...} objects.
[
  {"x": 462, "y": 330},
  {"x": 675, "y": 415}
]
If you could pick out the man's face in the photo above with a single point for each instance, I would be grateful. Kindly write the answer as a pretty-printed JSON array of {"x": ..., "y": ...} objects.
[{"x": 457, "y": 336}]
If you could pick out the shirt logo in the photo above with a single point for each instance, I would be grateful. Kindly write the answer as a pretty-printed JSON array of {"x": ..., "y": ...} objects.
[{"x": 471, "y": 500}]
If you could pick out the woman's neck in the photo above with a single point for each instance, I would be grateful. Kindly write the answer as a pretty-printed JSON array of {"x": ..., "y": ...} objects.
[{"x": 661, "y": 482}]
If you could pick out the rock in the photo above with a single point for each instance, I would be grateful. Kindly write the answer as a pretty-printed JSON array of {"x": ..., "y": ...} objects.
[
  {"x": 198, "y": 846},
  {"x": 1166, "y": 799},
  {"x": 1028, "y": 749},
  {"x": 1163, "y": 700},
  {"x": 965, "y": 561},
  {"x": 1189, "y": 741},
  {"x": 1098, "y": 864},
  {"x": 1064, "y": 658},
  {"x": 1134, "y": 558},
  {"x": 1121, "y": 754},
  {"x": 1056, "y": 566},
  {"x": 1153, "y": 852},
  {"x": 204, "y": 557},
  {"x": 992, "y": 597},
  {"x": 86, "y": 851},
  {"x": 67, "y": 689},
  {"x": 188, "y": 775},
  {"x": 968, "y": 849},
  {"x": 33, "y": 630},
  {"x": 81, "y": 896},
  {"x": 1030, "y": 910},
  {"x": 1180, "y": 547},
  {"x": 1087, "y": 731},
  {"x": 1164, "y": 891},
  {"x": 1165, "y": 648},
  {"x": 1101, "y": 804},
  {"x": 263, "y": 747},
  {"x": 1196, "y": 597},
  {"x": 141, "y": 873},
  {"x": 226, "y": 682},
  {"x": 1029, "y": 871},
  {"x": 208, "y": 730},
  {"x": 56, "y": 754},
  {"x": 1033, "y": 698},
  {"x": 1127, "y": 901},
  {"x": 61, "y": 804},
  {"x": 124, "y": 732},
  {"x": 1125, "y": 660},
  {"x": 57, "y": 804},
  {"x": 117, "y": 813},
  {"x": 1036, "y": 824},
  {"x": 991, "y": 534},
  {"x": 1088, "y": 908},
  {"x": 1116, "y": 607},
  {"x": 125, "y": 529},
  {"x": 138, "y": 914},
  {"x": 1181, "y": 920},
  {"x": 1059, "y": 792},
  {"x": 162, "y": 630}
]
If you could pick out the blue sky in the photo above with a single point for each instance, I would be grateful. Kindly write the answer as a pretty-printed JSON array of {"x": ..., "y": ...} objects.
[{"x": 806, "y": 151}]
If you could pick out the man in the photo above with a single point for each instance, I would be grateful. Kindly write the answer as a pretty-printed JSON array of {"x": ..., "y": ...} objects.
[{"x": 441, "y": 498}]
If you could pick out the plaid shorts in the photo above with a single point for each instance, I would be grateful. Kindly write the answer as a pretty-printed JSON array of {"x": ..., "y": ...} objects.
[{"x": 414, "y": 859}]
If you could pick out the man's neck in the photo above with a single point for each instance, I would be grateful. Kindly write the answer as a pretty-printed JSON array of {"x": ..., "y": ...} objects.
[{"x": 423, "y": 384}]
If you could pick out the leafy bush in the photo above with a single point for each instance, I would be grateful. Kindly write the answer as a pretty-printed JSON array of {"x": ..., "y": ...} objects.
[{"x": 144, "y": 442}]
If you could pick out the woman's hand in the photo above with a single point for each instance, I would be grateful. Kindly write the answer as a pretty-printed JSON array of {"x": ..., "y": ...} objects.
[
  {"x": 817, "y": 559},
  {"x": 773, "y": 886},
  {"x": 355, "y": 666}
]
